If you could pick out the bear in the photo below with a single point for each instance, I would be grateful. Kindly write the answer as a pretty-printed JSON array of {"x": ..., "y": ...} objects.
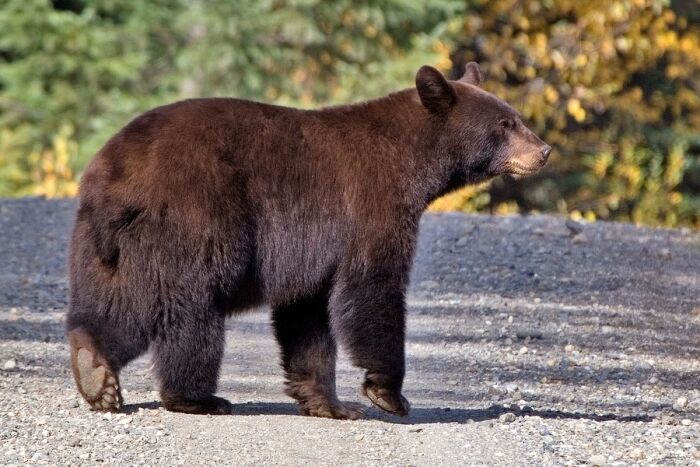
[{"x": 205, "y": 208}]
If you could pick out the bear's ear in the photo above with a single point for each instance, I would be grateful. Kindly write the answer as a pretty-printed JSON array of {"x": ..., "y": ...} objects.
[
  {"x": 435, "y": 92},
  {"x": 472, "y": 75}
]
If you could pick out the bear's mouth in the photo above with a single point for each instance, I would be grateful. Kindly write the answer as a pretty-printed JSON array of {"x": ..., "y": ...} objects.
[{"x": 517, "y": 168}]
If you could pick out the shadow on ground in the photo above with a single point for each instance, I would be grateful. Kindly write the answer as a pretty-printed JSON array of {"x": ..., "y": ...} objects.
[{"x": 418, "y": 415}]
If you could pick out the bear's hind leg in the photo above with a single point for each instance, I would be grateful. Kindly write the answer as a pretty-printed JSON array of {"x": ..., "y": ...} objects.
[
  {"x": 187, "y": 355},
  {"x": 308, "y": 359}
]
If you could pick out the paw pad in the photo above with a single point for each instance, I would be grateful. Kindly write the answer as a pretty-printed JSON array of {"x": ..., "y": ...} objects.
[{"x": 96, "y": 382}]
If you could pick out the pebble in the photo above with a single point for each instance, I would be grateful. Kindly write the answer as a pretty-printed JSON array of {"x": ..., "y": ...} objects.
[
  {"x": 10, "y": 364},
  {"x": 573, "y": 226},
  {"x": 579, "y": 238},
  {"x": 597, "y": 459},
  {"x": 680, "y": 404},
  {"x": 507, "y": 417}
]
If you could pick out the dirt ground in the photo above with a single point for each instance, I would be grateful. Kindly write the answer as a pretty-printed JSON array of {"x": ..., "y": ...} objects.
[{"x": 526, "y": 346}]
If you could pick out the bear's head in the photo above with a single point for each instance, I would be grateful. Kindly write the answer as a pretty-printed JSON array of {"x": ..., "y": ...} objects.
[{"x": 482, "y": 132}]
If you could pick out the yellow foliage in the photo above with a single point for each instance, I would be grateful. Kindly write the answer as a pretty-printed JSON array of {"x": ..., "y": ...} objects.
[
  {"x": 53, "y": 175},
  {"x": 468, "y": 199},
  {"x": 612, "y": 85},
  {"x": 507, "y": 208}
]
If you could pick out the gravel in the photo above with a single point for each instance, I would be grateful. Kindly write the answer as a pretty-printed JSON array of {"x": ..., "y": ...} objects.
[{"x": 525, "y": 347}]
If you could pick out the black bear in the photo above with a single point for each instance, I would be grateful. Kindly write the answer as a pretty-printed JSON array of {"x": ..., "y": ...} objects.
[{"x": 207, "y": 207}]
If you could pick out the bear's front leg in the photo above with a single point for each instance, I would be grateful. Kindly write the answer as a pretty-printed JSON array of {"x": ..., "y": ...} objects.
[
  {"x": 308, "y": 357},
  {"x": 368, "y": 316}
]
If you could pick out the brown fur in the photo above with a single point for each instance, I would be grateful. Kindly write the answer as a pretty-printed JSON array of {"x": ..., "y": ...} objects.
[{"x": 206, "y": 207}]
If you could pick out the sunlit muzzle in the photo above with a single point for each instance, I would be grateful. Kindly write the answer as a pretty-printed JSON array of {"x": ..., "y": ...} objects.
[{"x": 529, "y": 163}]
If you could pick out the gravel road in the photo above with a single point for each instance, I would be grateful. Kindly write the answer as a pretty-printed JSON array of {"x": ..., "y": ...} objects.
[{"x": 526, "y": 346}]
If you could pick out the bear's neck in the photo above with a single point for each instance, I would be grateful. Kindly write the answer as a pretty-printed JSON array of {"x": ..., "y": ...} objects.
[{"x": 401, "y": 136}]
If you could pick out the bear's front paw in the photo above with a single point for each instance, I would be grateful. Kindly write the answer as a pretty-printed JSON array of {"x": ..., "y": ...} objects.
[{"x": 386, "y": 399}]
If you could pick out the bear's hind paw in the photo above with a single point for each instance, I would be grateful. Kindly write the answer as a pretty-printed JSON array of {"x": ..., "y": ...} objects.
[{"x": 96, "y": 382}]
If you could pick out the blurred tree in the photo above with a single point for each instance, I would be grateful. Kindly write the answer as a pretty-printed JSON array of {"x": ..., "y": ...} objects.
[
  {"x": 310, "y": 52},
  {"x": 614, "y": 86},
  {"x": 76, "y": 69}
]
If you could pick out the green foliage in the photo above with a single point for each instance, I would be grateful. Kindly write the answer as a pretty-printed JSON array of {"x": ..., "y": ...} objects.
[
  {"x": 308, "y": 52},
  {"x": 612, "y": 85},
  {"x": 87, "y": 69}
]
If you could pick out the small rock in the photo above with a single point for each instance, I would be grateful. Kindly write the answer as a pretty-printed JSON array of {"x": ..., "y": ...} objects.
[
  {"x": 680, "y": 404},
  {"x": 574, "y": 227},
  {"x": 124, "y": 421},
  {"x": 463, "y": 241},
  {"x": 10, "y": 364},
  {"x": 569, "y": 348},
  {"x": 637, "y": 454},
  {"x": 523, "y": 350},
  {"x": 665, "y": 253},
  {"x": 598, "y": 459},
  {"x": 528, "y": 333},
  {"x": 668, "y": 420},
  {"x": 686, "y": 422},
  {"x": 71, "y": 404},
  {"x": 429, "y": 285},
  {"x": 507, "y": 417},
  {"x": 579, "y": 238}
]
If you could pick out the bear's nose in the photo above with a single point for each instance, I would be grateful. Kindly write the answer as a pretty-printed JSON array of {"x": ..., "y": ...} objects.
[{"x": 545, "y": 152}]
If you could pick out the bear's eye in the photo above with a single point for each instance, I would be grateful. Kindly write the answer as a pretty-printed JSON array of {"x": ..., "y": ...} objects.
[{"x": 507, "y": 124}]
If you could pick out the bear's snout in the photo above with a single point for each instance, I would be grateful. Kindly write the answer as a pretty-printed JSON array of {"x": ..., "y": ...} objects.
[{"x": 545, "y": 153}]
